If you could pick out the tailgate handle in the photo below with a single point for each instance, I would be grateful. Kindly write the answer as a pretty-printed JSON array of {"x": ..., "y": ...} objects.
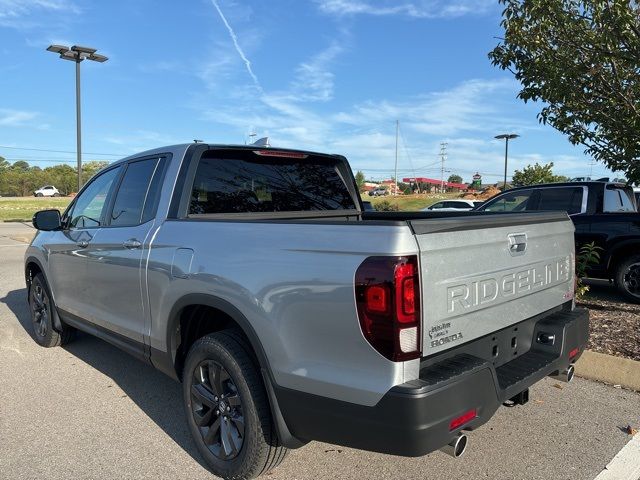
[{"x": 517, "y": 243}]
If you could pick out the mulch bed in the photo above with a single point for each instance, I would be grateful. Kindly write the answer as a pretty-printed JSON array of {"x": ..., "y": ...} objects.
[{"x": 614, "y": 324}]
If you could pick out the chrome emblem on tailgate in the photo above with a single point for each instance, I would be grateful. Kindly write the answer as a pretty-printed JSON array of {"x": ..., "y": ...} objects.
[{"x": 476, "y": 293}]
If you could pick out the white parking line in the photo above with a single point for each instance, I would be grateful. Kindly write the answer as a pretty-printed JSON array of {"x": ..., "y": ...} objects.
[
  {"x": 625, "y": 465},
  {"x": 15, "y": 245}
]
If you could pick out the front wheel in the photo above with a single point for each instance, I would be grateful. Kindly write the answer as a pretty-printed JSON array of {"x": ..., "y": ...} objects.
[
  {"x": 39, "y": 195},
  {"x": 41, "y": 307},
  {"x": 227, "y": 408},
  {"x": 628, "y": 278}
]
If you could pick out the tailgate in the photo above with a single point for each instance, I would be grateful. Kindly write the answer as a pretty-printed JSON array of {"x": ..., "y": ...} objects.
[{"x": 485, "y": 272}]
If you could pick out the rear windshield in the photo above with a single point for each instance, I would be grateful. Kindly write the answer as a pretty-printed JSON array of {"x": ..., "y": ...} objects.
[{"x": 243, "y": 182}]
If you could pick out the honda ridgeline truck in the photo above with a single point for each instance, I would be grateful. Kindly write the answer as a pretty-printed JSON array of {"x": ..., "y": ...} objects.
[{"x": 255, "y": 277}]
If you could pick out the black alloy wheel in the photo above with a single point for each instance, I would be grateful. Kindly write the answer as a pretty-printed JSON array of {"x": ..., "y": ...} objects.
[
  {"x": 628, "y": 278},
  {"x": 40, "y": 309},
  {"x": 227, "y": 408},
  {"x": 631, "y": 279},
  {"x": 217, "y": 410}
]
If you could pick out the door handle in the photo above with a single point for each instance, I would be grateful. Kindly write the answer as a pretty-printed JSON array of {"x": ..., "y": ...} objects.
[
  {"x": 83, "y": 244},
  {"x": 131, "y": 243}
]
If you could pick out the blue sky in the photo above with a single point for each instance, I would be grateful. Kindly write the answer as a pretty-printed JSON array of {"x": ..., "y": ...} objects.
[{"x": 327, "y": 75}]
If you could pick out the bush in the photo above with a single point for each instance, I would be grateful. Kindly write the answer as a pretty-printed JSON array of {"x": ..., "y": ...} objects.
[
  {"x": 589, "y": 255},
  {"x": 386, "y": 206}
]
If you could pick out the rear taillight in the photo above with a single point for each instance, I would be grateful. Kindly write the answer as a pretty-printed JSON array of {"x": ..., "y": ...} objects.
[{"x": 388, "y": 299}]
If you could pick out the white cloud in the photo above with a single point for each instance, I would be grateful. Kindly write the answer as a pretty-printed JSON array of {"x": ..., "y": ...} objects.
[
  {"x": 25, "y": 13},
  {"x": 415, "y": 9},
  {"x": 16, "y": 118},
  {"x": 314, "y": 80}
]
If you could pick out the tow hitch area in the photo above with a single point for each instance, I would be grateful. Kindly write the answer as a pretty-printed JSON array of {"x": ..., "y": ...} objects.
[{"x": 519, "y": 399}]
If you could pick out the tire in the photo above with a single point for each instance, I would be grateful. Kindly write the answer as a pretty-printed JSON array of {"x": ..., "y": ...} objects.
[
  {"x": 56, "y": 194},
  {"x": 39, "y": 195},
  {"x": 41, "y": 307},
  {"x": 220, "y": 376},
  {"x": 628, "y": 278}
]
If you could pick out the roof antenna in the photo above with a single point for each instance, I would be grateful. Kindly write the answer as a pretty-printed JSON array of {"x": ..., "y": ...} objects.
[
  {"x": 262, "y": 142},
  {"x": 195, "y": 140}
]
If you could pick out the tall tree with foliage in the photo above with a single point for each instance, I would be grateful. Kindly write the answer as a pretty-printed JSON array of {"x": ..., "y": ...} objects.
[
  {"x": 581, "y": 58},
  {"x": 535, "y": 174},
  {"x": 359, "y": 179},
  {"x": 455, "y": 179}
]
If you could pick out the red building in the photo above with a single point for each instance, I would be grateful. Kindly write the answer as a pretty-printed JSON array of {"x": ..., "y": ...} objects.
[{"x": 432, "y": 182}]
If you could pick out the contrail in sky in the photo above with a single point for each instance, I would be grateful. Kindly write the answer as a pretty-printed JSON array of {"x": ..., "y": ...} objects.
[{"x": 234, "y": 38}]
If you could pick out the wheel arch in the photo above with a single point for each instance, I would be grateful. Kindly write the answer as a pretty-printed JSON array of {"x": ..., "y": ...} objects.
[
  {"x": 233, "y": 317},
  {"x": 33, "y": 266},
  {"x": 620, "y": 252}
]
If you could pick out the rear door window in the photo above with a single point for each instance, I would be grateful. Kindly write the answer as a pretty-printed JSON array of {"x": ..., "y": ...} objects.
[
  {"x": 137, "y": 193},
  {"x": 560, "y": 198},
  {"x": 244, "y": 182}
]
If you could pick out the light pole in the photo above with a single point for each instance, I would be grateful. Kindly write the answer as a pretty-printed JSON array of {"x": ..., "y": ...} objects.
[
  {"x": 77, "y": 54},
  {"x": 507, "y": 137}
]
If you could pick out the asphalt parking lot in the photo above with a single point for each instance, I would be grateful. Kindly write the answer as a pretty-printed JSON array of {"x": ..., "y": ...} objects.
[{"x": 89, "y": 410}]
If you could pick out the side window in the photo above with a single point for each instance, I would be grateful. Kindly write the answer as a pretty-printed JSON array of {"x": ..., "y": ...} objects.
[
  {"x": 137, "y": 193},
  {"x": 566, "y": 199},
  {"x": 510, "y": 202},
  {"x": 617, "y": 200},
  {"x": 435, "y": 206},
  {"x": 88, "y": 209}
]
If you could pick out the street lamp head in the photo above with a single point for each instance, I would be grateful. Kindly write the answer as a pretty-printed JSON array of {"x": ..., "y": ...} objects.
[
  {"x": 70, "y": 55},
  {"x": 509, "y": 136},
  {"x": 97, "y": 58},
  {"x": 87, "y": 50},
  {"x": 57, "y": 49}
]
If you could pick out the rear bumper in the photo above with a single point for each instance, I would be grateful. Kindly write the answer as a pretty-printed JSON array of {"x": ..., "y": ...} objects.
[{"x": 413, "y": 419}]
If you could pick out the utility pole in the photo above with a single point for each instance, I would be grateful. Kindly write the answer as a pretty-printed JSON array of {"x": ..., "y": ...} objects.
[
  {"x": 395, "y": 178},
  {"x": 443, "y": 157}
]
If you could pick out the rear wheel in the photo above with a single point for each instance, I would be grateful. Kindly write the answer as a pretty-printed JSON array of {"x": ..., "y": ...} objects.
[
  {"x": 41, "y": 307},
  {"x": 628, "y": 278},
  {"x": 227, "y": 408}
]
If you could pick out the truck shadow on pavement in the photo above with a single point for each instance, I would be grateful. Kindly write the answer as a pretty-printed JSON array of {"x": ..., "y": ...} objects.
[{"x": 158, "y": 396}]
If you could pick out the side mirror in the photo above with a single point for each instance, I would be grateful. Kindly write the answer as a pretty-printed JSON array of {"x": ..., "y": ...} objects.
[{"x": 47, "y": 220}]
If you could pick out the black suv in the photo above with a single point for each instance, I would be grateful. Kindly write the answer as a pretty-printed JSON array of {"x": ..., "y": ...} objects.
[{"x": 603, "y": 212}]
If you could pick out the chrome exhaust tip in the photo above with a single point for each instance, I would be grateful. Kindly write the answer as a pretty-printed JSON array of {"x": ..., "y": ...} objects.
[
  {"x": 564, "y": 375},
  {"x": 456, "y": 447}
]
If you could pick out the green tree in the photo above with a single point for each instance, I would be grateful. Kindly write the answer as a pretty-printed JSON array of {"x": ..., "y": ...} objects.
[
  {"x": 455, "y": 179},
  {"x": 581, "y": 59},
  {"x": 20, "y": 165},
  {"x": 360, "y": 179},
  {"x": 89, "y": 169},
  {"x": 534, "y": 174}
]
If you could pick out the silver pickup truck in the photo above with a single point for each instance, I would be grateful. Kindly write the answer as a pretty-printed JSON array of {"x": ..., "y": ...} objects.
[{"x": 255, "y": 277}]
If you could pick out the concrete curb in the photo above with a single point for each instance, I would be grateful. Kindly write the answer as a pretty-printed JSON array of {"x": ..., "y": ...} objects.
[{"x": 609, "y": 369}]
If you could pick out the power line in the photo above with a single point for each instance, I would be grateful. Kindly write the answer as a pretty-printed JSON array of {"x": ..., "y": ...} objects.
[{"x": 62, "y": 151}]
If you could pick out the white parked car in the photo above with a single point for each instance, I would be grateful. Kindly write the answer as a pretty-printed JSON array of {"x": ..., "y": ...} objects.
[
  {"x": 47, "y": 191},
  {"x": 452, "y": 206}
]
